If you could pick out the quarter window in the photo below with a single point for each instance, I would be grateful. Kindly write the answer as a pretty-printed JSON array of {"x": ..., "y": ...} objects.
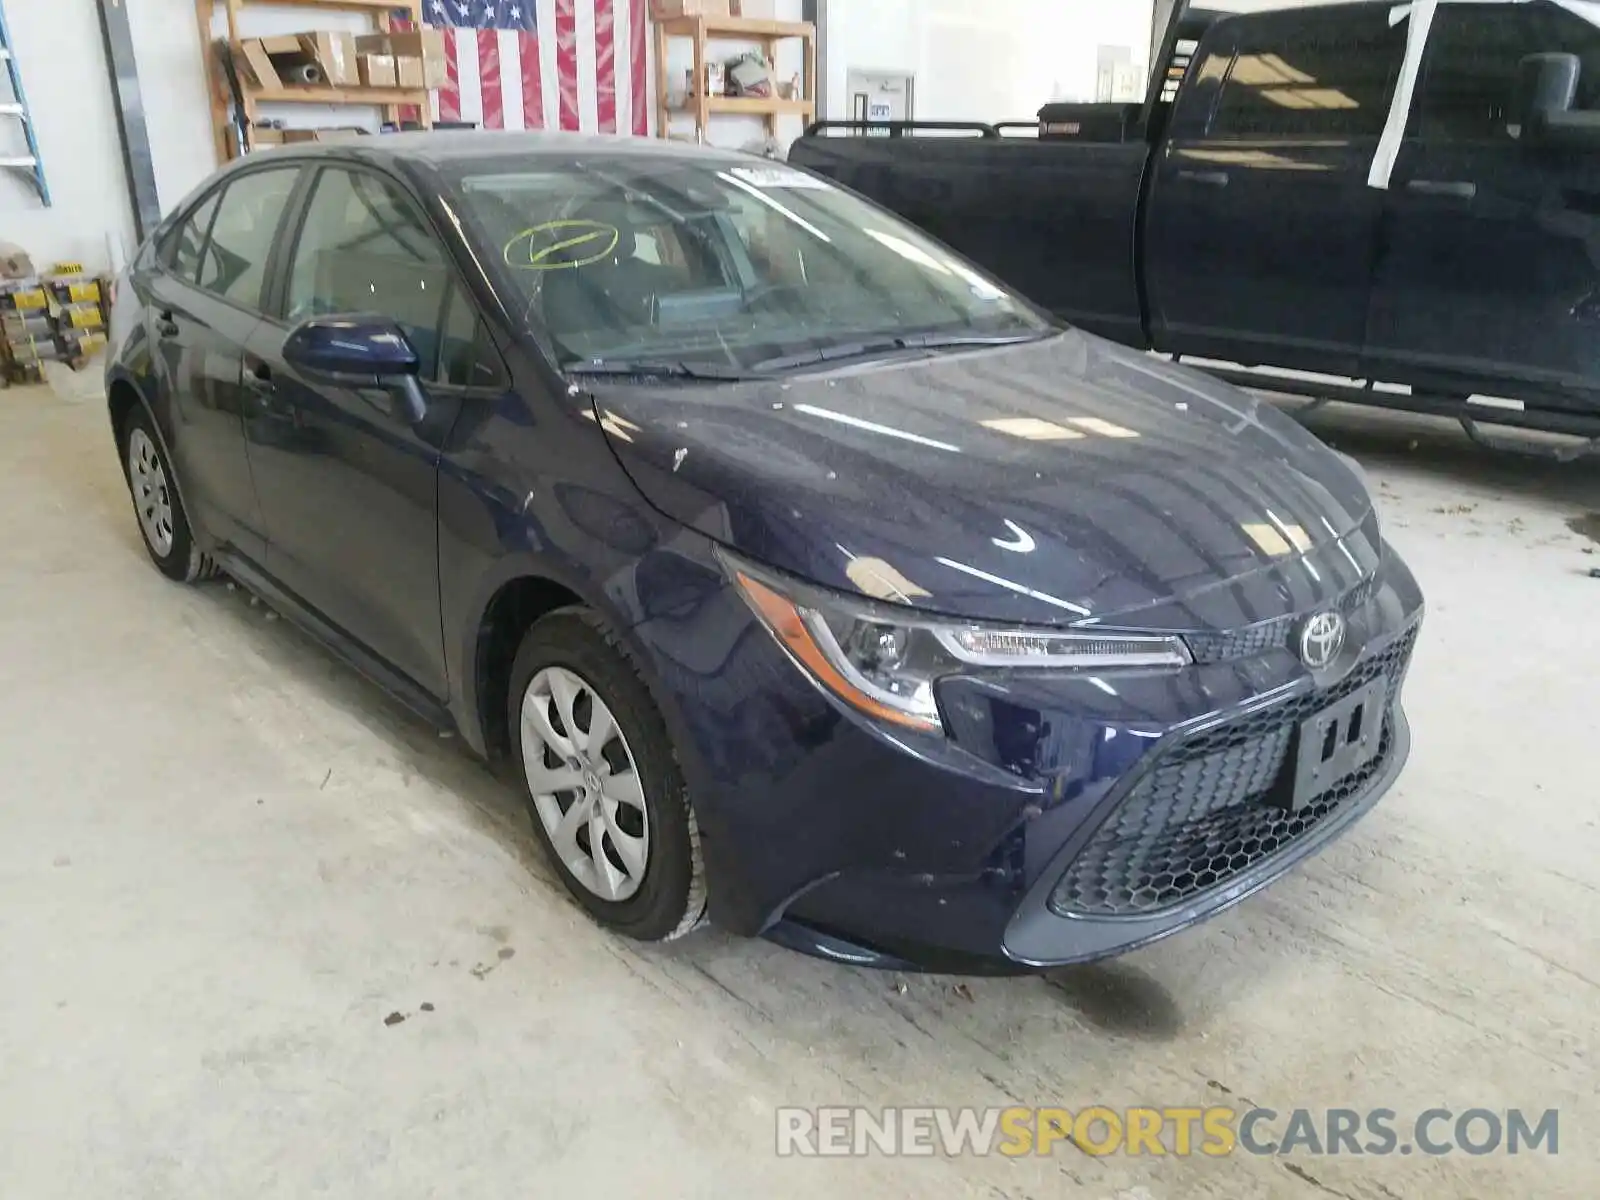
[
  {"x": 466, "y": 359},
  {"x": 1305, "y": 76},
  {"x": 365, "y": 248},
  {"x": 234, "y": 261},
  {"x": 189, "y": 238}
]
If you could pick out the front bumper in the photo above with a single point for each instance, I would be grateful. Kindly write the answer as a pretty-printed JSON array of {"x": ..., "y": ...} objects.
[{"x": 1062, "y": 819}]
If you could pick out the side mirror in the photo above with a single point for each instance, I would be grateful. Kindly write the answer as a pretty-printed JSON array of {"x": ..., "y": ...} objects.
[
  {"x": 362, "y": 351},
  {"x": 1547, "y": 88}
]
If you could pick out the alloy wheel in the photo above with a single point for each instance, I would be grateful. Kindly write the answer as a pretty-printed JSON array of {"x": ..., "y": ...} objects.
[
  {"x": 585, "y": 784},
  {"x": 151, "y": 498}
]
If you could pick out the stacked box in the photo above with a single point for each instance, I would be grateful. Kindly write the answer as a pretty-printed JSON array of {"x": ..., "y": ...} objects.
[{"x": 60, "y": 315}]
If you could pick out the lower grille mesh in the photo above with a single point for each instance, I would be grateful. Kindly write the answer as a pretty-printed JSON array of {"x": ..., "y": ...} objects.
[{"x": 1203, "y": 814}]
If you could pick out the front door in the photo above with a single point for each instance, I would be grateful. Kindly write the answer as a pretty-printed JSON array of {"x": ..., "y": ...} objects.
[
  {"x": 349, "y": 492},
  {"x": 205, "y": 302},
  {"x": 1490, "y": 278},
  {"x": 1262, "y": 231}
]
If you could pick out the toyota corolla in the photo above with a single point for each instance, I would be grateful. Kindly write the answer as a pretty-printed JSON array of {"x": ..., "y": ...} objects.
[{"x": 804, "y": 577}]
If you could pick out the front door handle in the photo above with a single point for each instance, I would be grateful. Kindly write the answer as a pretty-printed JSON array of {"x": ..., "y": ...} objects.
[
  {"x": 1454, "y": 189},
  {"x": 165, "y": 325},
  {"x": 1208, "y": 178},
  {"x": 258, "y": 374}
]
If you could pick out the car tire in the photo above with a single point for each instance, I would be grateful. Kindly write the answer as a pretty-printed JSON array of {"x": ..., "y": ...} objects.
[
  {"x": 157, "y": 507},
  {"x": 626, "y": 795}
]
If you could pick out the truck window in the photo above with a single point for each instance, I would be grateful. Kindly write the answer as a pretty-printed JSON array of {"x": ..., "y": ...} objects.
[
  {"x": 1303, "y": 75},
  {"x": 1470, "y": 80}
]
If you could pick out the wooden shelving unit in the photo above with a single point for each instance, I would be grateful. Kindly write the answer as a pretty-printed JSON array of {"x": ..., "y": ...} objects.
[
  {"x": 704, "y": 31},
  {"x": 388, "y": 100}
]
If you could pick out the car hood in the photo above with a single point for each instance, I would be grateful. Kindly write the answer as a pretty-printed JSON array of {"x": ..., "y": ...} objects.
[{"x": 1058, "y": 482}]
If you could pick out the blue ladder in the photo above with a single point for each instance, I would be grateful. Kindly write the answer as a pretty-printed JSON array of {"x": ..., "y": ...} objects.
[{"x": 29, "y": 164}]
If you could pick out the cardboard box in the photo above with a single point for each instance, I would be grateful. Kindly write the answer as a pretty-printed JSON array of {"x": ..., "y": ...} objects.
[
  {"x": 377, "y": 70},
  {"x": 255, "y": 64},
  {"x": 425, "y": 44},
  {"x": 408, "y": 72},
  {"x": 335, "y": 53},
  {"x": 666, "y": 10},
  {"x": 79, "y": 316},
  {"x": 15, "y": 325},
  {"x": 73, "y": 289},
  {"x": 23, "y": 295}
]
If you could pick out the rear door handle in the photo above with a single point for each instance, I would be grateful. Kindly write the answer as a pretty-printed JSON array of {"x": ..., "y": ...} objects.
[
  {"x": 1208, "y": 178},
  {"x": 165, "y": 325},
  {"x": 1455, "y": 189}
]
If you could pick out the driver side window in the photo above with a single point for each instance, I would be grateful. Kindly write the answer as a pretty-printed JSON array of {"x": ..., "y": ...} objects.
[{"x": 364, "y": 248}]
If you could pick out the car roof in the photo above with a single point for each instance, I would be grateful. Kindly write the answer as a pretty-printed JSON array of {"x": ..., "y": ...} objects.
[{"x": 458, "y": 147}]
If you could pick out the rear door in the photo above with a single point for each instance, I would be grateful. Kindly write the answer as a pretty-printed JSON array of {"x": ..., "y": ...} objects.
[
  {"x": 1490, "y": 278},
  {"x": 204, "y": 303},
  {"x": 349, "y": 492},
  {"x": 1261, "y": 232}
]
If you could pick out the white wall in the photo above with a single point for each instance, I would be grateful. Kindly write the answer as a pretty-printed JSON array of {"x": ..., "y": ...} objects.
[
  {"x": 62, "y": 55},
  {"x": 990, "y": 60},
  {"x": 59, "y": 50}
]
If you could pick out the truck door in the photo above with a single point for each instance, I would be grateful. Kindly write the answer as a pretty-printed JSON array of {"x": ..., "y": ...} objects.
[
  {"x": 1261, "y": 232},
  {"x": 1490, "y": 276}
]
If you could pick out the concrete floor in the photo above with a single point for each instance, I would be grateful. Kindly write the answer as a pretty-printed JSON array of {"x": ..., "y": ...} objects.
[{"x": 225, "y": 860}]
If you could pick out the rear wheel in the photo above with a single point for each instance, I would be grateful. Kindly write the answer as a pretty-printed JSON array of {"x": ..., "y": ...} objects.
[
  {"x": 162, "y": 521},
  {"x": 608, "y": 799}
]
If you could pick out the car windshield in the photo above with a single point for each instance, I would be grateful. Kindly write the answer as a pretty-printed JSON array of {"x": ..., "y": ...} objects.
[{"x": 723, "y": 267}]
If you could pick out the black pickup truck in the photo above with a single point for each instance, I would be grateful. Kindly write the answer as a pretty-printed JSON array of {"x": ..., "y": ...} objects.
[{"x": 1347, "y": 201}]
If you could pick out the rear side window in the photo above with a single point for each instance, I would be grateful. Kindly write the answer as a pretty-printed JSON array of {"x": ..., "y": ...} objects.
[
  {"x": 189, "y": 238},
  {"x": 234, "y": 261},
  {"x": 1474, "y": 57},
  {"x": 1299, "y": 75}
]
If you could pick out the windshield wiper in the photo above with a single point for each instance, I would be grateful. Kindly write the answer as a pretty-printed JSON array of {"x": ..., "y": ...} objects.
[
  {"x": 642, "y": 369},
  {"x": 909, "y": 341}
]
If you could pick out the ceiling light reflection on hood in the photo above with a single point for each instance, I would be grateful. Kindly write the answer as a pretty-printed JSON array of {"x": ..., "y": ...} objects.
[
  {"x": 873, "y": 427},
  {"x": 1033, "y": 429}
]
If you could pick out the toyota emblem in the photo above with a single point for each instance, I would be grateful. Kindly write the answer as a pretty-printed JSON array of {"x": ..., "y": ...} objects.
[{"x": 1321, "y": 640}]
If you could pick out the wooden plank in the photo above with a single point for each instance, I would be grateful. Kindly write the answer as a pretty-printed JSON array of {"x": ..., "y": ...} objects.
[
  {"x": 373, "y": 97},
  {"x": 755, "y": 106},
  {"x": 663, "y": 115},
  {"x": 378, "y": 6},
  {"x": 748, "y": 28},
  {"x": 214, "y": 83}
]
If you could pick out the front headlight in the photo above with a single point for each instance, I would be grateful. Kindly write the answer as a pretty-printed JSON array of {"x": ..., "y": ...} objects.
[{"x": 883, "y": 660}]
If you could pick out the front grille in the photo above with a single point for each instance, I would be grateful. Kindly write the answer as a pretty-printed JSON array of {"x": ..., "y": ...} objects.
[
  {"x": 1273, "y": 634},
  {"x": 1206, "y": 812}
]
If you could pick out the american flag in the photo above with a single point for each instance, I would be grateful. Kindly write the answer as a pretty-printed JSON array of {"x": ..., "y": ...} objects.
[{"x": 543, "y": 64}]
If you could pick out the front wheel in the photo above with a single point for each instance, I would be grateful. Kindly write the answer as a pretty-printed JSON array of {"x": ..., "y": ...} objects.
[
  {"x": 162, "y": 521},
  {"x": 608, "y": 798}
]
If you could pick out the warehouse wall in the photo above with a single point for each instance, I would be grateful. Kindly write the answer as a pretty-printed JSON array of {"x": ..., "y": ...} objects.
[
  {"x": 989, "y": 60},
  {"x": 59, "y": 50}
]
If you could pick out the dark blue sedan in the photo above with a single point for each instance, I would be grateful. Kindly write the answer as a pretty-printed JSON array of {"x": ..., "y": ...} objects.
[{"x": 810, "y": 579}]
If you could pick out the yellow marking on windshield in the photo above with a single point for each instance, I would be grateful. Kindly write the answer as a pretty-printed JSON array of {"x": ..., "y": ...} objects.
[{"x": 568, "y": 235}]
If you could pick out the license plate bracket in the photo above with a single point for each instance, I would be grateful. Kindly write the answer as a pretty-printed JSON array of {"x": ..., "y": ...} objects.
[{"x": 1338, "y": 741}]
